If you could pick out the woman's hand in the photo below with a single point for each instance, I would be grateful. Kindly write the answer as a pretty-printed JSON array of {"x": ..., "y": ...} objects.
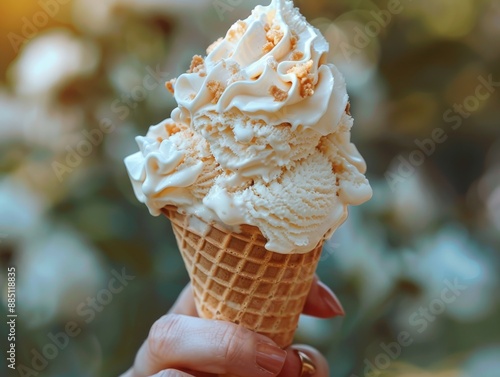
[{"x": 181, "y": 344}]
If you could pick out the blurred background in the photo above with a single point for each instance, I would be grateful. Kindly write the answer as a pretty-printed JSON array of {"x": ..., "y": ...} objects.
[{"x": 416, "y": 268}]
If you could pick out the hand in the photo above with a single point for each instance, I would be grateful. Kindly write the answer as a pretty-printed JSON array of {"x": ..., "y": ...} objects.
[{"x": 182, "y": 345}]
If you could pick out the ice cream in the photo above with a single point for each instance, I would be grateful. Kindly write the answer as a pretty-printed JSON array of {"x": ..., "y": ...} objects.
[{"x": 261, "y": 136}]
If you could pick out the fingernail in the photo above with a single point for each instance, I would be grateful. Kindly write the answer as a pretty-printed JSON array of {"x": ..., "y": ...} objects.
[
  {"x": 270, "y": 357},
  {"x": 330, "y": 299}
]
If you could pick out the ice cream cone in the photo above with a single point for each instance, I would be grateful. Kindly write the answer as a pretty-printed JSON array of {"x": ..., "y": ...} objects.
[{"x": 236, "y": 279}]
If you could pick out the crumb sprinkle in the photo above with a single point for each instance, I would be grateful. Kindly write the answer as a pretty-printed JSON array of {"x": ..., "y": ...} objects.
[
  {"x": 197, "y": 65},
  {"x": 169, "y": 85},
  {"x": 171, "y": 128},
  {"x": 267, "y": 47},
  {"x": 216, "y": 88},
  {"x": 278, "y": 94},
  {"x": 338, "y": 168},
  {"x": 293, "y": 40},
  {"x": 236, "y": 31},
  {"x": 273, "y": 36},
  {"x": 297, "y": 55},
  {"x": 303, "y": 73},
  {"x": 232, "y": 67}
]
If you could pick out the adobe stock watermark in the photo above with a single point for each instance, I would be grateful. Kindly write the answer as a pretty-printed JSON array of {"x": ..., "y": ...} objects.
[
  {"x": 363, "y": 36},
  {"x": 87, "y": 311},
  {"x": 404, "y": 167},
  {"x": 419, "y": 322},
  {"x": 122, "y": 108},
  {"x": 328, "y": 250},
  {"x": 221, "y": 7},
  {"x": 32, "y": 25}
]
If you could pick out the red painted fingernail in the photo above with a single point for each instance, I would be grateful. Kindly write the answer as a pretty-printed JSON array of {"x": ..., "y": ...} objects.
[
  {"x": 270, "y": 357},
  {"x": 331, "y": 300}
]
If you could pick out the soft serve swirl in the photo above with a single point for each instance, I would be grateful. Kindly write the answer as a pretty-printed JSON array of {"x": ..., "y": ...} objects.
[{"x": 269, "y": 66}]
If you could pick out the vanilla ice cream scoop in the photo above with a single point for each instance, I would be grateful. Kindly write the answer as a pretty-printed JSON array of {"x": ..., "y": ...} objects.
[{"x": 261, "y": 136}]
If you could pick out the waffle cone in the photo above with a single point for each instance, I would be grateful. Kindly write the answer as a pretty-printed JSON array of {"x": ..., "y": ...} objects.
[{"x": 236, "y": 279}]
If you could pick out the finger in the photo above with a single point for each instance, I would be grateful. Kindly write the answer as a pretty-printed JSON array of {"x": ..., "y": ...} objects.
[
  {"x": 293, "y": 364},
  {"x": 172, "y": 373},
  {"x": 322, "y": 302},
  {"x": 210, "y": 346},
  {"x": 185, "y": 303}
]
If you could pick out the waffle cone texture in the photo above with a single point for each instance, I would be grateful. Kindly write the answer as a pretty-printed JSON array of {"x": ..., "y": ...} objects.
[{"x": 236, "y": 279}]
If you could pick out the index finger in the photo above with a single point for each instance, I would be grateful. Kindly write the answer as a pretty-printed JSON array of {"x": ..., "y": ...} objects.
[{"x": 185, "y": 303}]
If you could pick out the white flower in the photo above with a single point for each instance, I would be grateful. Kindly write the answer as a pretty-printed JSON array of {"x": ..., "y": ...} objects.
[
  {"x": 414, "y": 204},
  {"x": 452, "y": 256},
  {"x": 22, "y": 209},
  {"x": 485, "y": 363},
  {"x": 57, "y": 270},
  {"x": 38, "y": 123},
  {"x": 50, "y": 60}
]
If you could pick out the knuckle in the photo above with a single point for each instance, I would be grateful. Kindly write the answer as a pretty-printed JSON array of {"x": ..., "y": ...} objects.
[
  {"x": 161, "y": 339},
  {"x": 231, "y": 342}
]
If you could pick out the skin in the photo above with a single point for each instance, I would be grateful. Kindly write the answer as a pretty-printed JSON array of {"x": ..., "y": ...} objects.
[{"x": 221, "y": 347}]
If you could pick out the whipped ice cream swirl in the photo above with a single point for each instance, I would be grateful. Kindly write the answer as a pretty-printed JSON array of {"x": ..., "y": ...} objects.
[{"x": 270, "y": 66}]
